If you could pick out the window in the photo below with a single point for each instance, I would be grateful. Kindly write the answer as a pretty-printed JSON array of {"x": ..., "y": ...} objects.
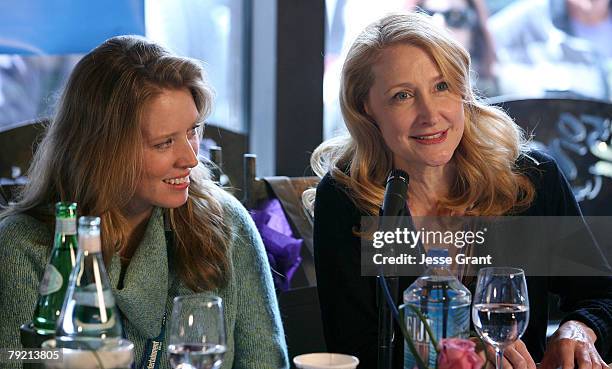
[
  {"x": 211, "y": 31},
  {"x": 522, "y": 48}
]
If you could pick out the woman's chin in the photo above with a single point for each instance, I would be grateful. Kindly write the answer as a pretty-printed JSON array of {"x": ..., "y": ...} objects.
[
  {"x": 438, "y": 160},
  {"x": 174, "y": 203},
  {"x": 425, "y": 160}
]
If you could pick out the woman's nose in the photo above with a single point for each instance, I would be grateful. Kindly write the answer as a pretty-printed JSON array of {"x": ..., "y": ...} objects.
[
  {"x": 428, "y": 110},
  {"x": 188, "y": 156}
]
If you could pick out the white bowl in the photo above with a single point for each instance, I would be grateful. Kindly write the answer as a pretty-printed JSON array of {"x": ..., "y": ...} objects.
[
  {"x": 119, "y": 355},
  {"x": 324, "y": 360}
]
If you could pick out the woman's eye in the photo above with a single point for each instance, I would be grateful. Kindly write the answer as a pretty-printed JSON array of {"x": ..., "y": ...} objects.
[
  {"x": 441, "y": 86},
  {"x": 403, "y": 95},
  {"x": 164, "y": 145},
  {"x": 192, "y": 132}
]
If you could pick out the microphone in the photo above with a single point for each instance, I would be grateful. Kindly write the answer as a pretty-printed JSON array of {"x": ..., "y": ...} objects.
[
  {"x": 394, "y": 205},
  {"x": 396, "y": 192}
]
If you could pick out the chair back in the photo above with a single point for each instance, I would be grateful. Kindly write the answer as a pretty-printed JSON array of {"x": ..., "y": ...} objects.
[
  {"x": 577, "y": 134},
  {"x": 17, "y": 145},
  {"x": 299, "y": 306}
]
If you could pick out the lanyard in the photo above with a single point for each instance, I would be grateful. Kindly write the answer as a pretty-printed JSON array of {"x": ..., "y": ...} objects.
[{"x": 152, "y": 351}]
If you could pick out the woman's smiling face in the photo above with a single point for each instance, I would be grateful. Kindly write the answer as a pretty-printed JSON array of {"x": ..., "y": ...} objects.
[
  {"x": 420, "y": 119},
  {"x": 170, "y": 147}
]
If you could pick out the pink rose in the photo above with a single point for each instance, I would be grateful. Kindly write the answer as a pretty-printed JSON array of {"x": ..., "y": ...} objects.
[{"x": 457, "y": 353}]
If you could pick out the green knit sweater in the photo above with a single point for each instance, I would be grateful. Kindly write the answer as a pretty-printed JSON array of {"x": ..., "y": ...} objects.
[{"x": 255, "y": 337}]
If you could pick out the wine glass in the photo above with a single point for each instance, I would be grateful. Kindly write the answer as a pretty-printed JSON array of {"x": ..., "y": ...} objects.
[
  {"x": 196, "y": 332},
  {"x": 501, "y": 308}
]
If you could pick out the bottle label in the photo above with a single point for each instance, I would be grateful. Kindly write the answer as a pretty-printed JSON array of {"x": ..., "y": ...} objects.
[
  {"x": 52, "y": 281},
  {"x": 90, "y": 243},
  {"x": 455, "y": 324},
  {"x": 65, "y": 226},
  {"x": 92, "y": 298},
  {"x": 421, "y": 340}
]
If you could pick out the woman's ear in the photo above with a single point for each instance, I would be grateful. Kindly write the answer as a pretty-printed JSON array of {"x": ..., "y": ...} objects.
[
  {"x": 368, "y": 112},
  {"x": 366, "y": 108}
]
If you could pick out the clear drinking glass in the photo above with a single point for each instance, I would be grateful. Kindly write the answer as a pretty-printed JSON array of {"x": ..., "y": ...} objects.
[
  {"x": 500, "y": 309},
  {"x": 196, "y": 332}
]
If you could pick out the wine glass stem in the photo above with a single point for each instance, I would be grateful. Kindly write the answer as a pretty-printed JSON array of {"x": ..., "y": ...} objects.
[{"x": 499, "y": 358}]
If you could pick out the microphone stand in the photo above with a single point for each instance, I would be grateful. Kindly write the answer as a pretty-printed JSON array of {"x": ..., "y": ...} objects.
[
  {"x": 387, "y": 292},
  {"x": 385, "y": 321},
  {"x": 387, "y": 304},
  {"x": 387, "y": 289}
]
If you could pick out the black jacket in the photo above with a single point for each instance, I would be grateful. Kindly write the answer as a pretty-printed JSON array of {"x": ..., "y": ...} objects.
[{"x": 348, "y": 300}]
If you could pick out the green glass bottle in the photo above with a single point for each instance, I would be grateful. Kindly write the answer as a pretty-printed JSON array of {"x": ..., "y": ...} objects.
[{"x": 52, "y": 288}]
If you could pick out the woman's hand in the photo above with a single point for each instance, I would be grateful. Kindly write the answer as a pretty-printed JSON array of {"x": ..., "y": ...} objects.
[
  {"x": 573, "y": 342},
  {"x": 516, "y": 356}
]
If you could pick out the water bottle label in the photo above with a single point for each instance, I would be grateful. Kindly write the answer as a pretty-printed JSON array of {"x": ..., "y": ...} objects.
[
  {"x": 65, "y": 226},
  {"x": 416, "y": 329},
  {"x": 94, "y": 299},
  {"x": 456, "y": 324},
  {"x": 52, "y": 281},
  {"x": 420, "y": 338}
]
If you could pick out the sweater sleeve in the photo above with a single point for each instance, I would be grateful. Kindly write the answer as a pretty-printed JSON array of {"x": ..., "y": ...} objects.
[
  {"x": 348, "y": 304},
  {"x": 23, "y": 255},
  {"x": 259, "y": 336},
  {"x": 585, "y": 299}
]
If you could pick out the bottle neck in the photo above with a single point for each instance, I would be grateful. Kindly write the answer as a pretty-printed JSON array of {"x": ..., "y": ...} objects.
[{"x": 439, "y": 270}]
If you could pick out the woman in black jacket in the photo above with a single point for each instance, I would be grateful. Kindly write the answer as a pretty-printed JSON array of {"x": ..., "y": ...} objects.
[{"x": 407, "y": 103}]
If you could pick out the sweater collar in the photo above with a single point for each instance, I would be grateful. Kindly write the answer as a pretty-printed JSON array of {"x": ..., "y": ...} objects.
[{"x": 142, "y": 300}]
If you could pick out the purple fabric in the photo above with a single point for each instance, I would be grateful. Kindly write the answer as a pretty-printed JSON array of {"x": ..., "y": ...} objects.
[{"x": 282, "y": 248}]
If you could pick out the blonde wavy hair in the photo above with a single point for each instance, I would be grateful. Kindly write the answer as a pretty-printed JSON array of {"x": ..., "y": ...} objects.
[
  {"x": 487, "y": 182},
  {"x": 92, "y": 154}
]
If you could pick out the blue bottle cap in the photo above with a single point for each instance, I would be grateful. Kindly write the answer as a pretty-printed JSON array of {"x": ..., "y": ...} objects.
[{"x": 437, "y": 252}]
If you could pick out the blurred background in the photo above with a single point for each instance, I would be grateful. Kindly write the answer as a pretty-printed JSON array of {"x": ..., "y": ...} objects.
[{"x": 275, "y": 64}]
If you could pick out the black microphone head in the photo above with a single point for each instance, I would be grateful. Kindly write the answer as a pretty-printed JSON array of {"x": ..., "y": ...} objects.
[
  {"x": 398, "y": 174},
  {"x": 395, "y": 193}
]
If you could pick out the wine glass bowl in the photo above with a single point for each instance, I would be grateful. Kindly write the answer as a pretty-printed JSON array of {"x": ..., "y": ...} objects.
[
  {"x": 196, "y": 332},
  {"x": 500, "y": 310}
]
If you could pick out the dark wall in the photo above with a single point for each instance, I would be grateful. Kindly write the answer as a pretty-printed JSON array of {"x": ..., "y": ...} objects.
[{"x": 299, "y": 82}]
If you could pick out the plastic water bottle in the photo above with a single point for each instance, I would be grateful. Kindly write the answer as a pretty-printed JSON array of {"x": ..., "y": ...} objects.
[{"x": 445, "y": 304}]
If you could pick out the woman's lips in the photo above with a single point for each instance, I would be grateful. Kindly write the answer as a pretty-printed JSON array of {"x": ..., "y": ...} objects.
[
  {"x": 432, "y": 139},
  {"x": 179, "y": 183}
]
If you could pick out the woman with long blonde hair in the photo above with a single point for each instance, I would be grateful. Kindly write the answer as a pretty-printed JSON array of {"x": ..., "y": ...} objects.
[
  {"x": 124, "y": 146},
  {"x": 407, "y": 103}
]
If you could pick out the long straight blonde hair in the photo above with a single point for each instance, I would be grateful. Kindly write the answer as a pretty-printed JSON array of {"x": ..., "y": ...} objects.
[
  {"x": 92, "y": 153},
  {"x": 487, "y": 181}
]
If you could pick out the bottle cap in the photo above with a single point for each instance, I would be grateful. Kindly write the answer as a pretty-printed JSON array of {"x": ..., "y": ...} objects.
[
  {"x": 438, "y": 252},
  {"x": 66, "y": 210}
]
